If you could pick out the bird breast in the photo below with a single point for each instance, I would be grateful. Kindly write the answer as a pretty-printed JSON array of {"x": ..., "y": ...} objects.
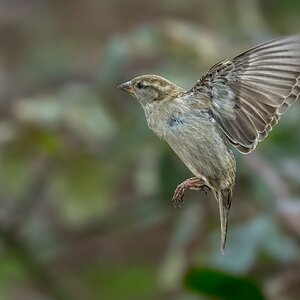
[{"x": 196, "y": 139}]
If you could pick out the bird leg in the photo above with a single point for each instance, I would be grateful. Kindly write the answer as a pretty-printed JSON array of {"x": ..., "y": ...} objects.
[{"x": 194, "y": 184}]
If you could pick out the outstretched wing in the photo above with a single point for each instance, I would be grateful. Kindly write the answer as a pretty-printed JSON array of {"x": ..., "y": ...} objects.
[{"x": 249, "y": 93}]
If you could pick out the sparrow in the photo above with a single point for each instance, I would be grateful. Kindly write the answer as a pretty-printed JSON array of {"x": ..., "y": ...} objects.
[{"x": 237, "y": 102}]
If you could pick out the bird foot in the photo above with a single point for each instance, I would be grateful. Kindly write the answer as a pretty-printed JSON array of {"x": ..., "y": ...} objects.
[{"x": 194, "y": 184}]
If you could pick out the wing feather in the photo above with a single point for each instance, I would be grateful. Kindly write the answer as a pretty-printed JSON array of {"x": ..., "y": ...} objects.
[{"x": 250, "y": 92}]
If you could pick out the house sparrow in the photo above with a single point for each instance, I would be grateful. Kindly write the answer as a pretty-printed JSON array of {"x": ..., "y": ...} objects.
[{"x": 237, "y": 102}]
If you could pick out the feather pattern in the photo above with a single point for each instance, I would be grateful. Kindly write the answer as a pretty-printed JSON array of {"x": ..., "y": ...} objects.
[{"x": 250, "y": 92}]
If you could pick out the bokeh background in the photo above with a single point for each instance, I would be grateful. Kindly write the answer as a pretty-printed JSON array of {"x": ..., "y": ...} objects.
[{"x": 86, "y": 188}]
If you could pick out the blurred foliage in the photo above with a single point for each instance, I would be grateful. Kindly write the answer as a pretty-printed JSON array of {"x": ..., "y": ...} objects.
[
  {"x": 221, "y": 285},
  {"x": 85, "y": 187}
]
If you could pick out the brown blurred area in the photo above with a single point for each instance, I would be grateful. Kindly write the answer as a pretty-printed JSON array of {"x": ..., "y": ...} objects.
[{"x": 86, "y": 188}]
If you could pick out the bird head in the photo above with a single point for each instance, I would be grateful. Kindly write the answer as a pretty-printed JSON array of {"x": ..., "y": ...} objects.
[{"x": 150, "y": 88}]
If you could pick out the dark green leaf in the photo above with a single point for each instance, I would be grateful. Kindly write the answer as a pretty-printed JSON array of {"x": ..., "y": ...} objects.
[{"x": 222, "y": 285}]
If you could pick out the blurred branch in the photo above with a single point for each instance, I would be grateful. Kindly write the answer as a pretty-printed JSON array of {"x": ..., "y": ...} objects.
[
  {"x": 10, "y": 232},
  {"x": 40, "y": 273},
  {"x": 190, "y": 225},
  {"x": 26, "y": 205},
  {"x": 269, "y": 175},
  {"x": 288, "y": 210}
]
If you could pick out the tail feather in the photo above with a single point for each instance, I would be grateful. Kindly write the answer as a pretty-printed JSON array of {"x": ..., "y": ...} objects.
[{"x": 224, "y": 198}]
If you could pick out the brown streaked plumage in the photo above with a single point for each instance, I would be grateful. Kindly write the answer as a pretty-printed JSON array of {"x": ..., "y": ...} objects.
[{"x": 236, "y": 102}]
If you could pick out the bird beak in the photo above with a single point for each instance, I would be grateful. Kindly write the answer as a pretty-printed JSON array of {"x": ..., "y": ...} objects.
[{"x": 127, "y": 87}]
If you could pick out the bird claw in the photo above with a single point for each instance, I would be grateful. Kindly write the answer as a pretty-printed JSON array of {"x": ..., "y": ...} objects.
[
  {"x": 178, "y": 198},
  {"x": 194, "y": 184},
  {"x": 203, "y": 189}
]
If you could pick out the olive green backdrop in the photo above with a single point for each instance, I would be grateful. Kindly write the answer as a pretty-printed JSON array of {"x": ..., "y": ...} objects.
[{"x": 86, "y": 188}]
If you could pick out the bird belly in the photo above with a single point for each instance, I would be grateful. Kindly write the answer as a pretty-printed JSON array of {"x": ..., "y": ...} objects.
[{"x": 203, "y": 150}]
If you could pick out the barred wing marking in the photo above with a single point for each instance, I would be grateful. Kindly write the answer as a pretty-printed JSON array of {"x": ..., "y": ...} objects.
[{"x": 250, "y": 92}]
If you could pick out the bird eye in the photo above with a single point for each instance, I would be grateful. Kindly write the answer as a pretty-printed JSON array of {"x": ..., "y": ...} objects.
[{"x": 140, "y": 85}]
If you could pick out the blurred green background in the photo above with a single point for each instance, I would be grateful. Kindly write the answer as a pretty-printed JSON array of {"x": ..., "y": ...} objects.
[{"x": 86, "y": 188}]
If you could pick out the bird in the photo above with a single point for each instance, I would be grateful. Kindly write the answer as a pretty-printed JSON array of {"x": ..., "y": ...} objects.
[{"x": 235, "y": 104}]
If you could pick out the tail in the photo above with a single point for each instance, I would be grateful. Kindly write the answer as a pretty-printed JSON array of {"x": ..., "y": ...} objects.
[{"x": 224, "y": 198}]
